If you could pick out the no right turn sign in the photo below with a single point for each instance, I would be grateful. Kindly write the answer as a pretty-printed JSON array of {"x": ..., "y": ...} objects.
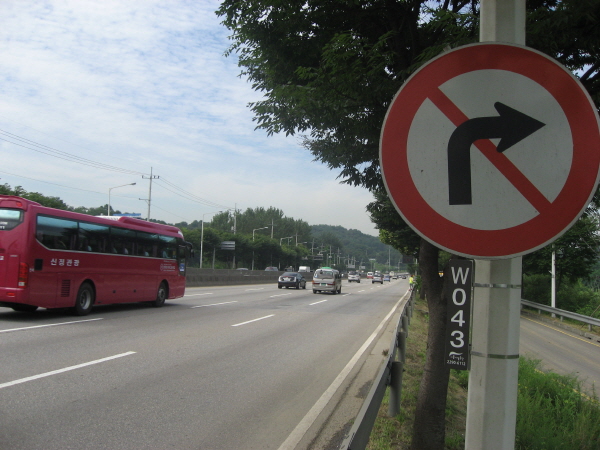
[{"x": 491, "y": 150}]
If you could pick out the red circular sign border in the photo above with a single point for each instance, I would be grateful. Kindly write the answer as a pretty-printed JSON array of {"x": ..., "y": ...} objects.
[{"x": 509, "y": 242}]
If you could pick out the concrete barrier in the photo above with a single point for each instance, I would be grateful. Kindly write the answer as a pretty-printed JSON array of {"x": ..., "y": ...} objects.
[{"x": 225, "y": 277}]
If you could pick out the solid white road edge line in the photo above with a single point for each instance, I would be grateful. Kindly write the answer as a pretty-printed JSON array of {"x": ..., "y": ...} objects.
[
  {"x": 295, "y": 436},
  {"x": 49, "y": 325},
  {"x": 254, "y": 320},
  {"x": 214, "y": 304},
  {"x": 66, "y": 369}
]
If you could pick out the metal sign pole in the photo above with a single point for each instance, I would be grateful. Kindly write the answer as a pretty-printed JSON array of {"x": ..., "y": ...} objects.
[{"x": 493, "y": 379}]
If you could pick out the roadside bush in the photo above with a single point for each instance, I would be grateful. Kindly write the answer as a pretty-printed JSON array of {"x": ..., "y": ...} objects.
[
  {"x": 575, "y": 296},
  {"x": 536, "y": 288}
]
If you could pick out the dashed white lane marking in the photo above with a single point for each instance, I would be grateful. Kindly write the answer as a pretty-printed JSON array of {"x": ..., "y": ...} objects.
[
  {"x": 66, "y": 369},
  {"x": 213, "y": 304},
  {"x": 253, "y": 320},
  {"x": 316, "y": 303},
  {"x": 48, "y": 325}
]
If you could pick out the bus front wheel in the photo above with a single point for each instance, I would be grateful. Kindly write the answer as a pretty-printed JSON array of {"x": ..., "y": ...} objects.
[
  {"x": 84, "y": 300},
  {"x": 161, "y": 295}
]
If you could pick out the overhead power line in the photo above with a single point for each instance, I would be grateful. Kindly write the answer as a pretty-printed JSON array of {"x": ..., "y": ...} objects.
[
  {"x": 40, "y": 148},
  {"x": 189, "y": 196}
]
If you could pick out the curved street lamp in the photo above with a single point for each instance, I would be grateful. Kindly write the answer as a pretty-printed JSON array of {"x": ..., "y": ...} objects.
[
  {"x": 110, "y": 189},
  {"x": 202, "y": 234},
  {"x": 256, "y": 229}
]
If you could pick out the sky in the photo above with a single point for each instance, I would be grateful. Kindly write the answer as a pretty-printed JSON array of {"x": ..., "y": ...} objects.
[{"x": 96, "y": 95}]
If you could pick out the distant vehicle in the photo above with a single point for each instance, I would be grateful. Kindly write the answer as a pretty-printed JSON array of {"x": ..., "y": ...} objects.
[
  {"x": 387, "y": 278},
  {"x": 327, "y": 279},
  {"x": 242, "y": 268},
  {"x": 377, "y": 278},
  {"x": 369, "y": 275},
  {"x": 403, "y": 277},
  {"x": 63, "y": 259},
  {"x": 353, "y": 276},
  {"x": 291, "y": 279},
  {"x": 272, "y": 269},
  {"x": 304, "y": 269}
]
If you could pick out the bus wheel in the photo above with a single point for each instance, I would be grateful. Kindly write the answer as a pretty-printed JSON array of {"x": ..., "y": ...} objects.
[
  {"x": 24, "y": 308},
  {"x": 161, "y": 296},
  {"x": 84, "y": 300}
]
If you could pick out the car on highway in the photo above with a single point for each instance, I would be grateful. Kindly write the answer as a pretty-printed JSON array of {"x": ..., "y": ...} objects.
[
  {"x": 377, "y": 278},
  {"x": 353, "y": 276},
  {"x": 386, "y": 278},
  {"x": 272, "y": 269},
  {"x": 369, "y": 275},
  {"x": 327, "y": 279},
  {"x": 291, "y": 279}
]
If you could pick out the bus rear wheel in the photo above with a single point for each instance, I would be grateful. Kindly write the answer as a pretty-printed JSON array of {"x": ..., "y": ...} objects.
[
  {"x": 161, "y": 295},
  {"x": 84, "y": 300}
]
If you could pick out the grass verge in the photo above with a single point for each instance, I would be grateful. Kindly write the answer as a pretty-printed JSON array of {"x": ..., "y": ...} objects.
[{"x": 552, "y": 411}]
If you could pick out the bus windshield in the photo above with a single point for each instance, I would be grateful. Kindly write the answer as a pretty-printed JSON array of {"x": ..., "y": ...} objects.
[{"x": 10, "y": 218}]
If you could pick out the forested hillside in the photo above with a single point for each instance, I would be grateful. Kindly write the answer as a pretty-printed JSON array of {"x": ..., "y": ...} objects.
[{"x": 356, "y": 245}]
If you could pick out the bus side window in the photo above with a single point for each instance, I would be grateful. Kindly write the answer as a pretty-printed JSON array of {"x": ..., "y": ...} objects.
[
  {"x": 92, "y": 237},
  {"x": 122, "y": 240},
  {"x": 58, "y": 233}
]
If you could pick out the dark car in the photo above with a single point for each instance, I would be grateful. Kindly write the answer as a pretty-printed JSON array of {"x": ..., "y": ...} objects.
[{"x": 291, "y": 279}]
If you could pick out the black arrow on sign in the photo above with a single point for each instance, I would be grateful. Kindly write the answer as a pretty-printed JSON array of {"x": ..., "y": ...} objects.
[{"x": 511, "y": 126}]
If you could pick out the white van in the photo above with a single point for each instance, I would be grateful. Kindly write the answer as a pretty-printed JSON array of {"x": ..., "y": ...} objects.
[{"x": 327, "y": 279}]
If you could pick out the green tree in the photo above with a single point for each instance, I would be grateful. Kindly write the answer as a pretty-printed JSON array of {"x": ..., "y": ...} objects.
[{"x": 331, "y": 68}]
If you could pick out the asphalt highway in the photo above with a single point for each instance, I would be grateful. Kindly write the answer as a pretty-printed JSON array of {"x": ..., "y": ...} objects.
[
  {"x": 222, "y": 368},
  {"x": 238, "y": 367}
]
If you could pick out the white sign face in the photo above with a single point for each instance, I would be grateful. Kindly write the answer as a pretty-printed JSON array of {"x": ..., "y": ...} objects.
[{"x": 491, "y": 150}]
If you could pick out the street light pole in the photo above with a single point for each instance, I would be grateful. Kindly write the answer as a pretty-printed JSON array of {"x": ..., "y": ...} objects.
[
  {"x": 110, "y": 189},
  {"x": 202, "y": 234},
  {"x": 256, "y": 229}
]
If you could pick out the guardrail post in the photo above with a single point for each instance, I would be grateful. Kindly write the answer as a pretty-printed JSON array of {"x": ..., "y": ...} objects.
[
  {"x": 395, "y": 388},
  {"x": 405, "y": 325},
  {"x": 402, "y": 345}
]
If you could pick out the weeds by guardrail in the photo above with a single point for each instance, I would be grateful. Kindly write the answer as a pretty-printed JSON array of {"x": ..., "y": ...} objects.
[{"x": 390, "y": 374}]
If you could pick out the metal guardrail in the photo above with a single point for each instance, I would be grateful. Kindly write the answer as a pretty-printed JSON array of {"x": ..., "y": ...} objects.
[
  {"x": 390, "y": 375},
  {"x": 590, "y": 321}
]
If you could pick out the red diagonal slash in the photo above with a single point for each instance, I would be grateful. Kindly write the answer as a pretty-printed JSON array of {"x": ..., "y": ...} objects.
[{"x": 499, "y": 160}]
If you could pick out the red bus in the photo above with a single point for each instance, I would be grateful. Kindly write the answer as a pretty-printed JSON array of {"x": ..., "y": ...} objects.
[{"x": 51, "y": 258}]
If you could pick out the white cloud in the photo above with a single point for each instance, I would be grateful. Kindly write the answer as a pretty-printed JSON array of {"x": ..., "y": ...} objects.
[{"x": 139, "y": 84}]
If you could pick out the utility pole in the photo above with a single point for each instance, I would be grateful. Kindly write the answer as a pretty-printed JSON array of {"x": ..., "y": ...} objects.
[{"x": 149, "y": 200}]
